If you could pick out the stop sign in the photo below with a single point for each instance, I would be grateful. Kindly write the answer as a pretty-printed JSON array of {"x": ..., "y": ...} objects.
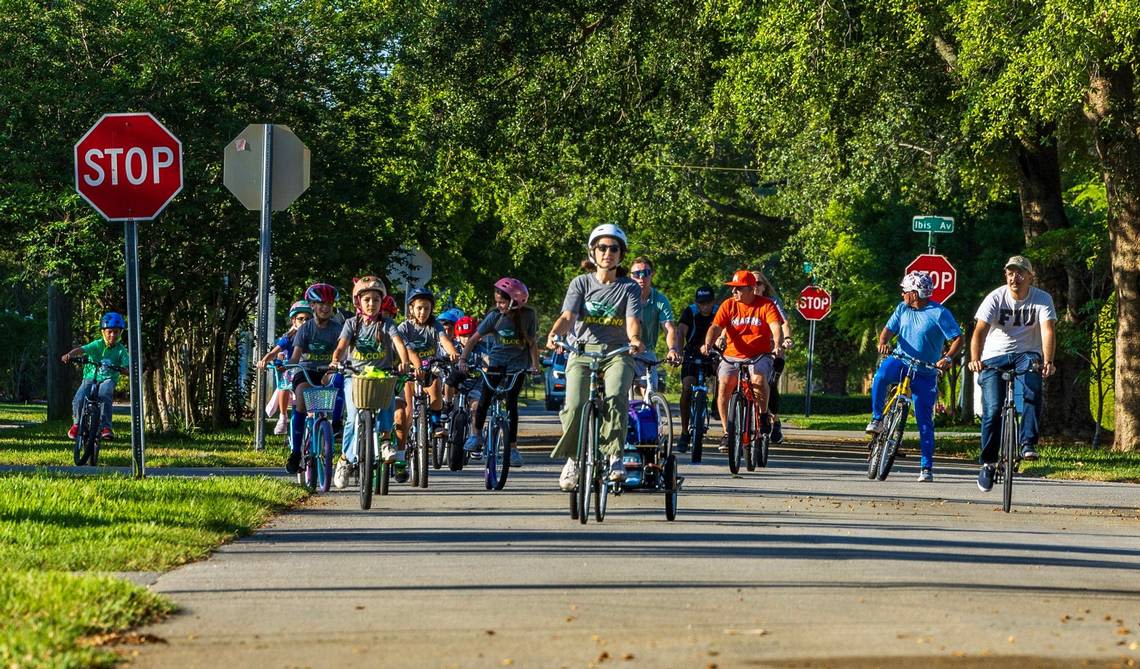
[
  {"x": 941, "y": 272},
  {"x": 128, "y": 166},
  {"x": 814, "y": 303}
]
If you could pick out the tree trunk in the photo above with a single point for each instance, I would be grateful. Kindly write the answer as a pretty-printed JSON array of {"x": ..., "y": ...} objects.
[
  {"x": 59, "y": 342},
  {"x": 1116, "y": 124},
  {"x": 1066, "y": 393}
]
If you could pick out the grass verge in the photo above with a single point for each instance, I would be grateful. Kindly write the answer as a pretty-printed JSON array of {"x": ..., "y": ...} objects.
[{"x": 55, "y": 530}]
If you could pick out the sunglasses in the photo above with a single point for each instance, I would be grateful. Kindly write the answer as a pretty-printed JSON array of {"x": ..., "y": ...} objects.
[
  {"x": 740, "y": 289},
  {"x": 641, "y": 273},
  {"x": 607, "y": 248}
]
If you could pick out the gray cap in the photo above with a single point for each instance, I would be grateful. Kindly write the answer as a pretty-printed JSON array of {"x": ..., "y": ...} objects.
[{"x": 1020, "y": 262}]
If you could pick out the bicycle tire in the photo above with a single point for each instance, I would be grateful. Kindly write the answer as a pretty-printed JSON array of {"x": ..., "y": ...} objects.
[
  {"x": 765, "y": 446},
  {"x": 80, "y": 436},
  {"x": 308, "y": 462},
  {"x": 490, "y": 449},
  {"x": 457, "y": 436},
  {"x": 670, "y": 479},
  {"x": 748, "y": 441},
  {"x": 892, "y": 440},
  {"x": 423, "y": 446},
  {"x": 438, "y": 444},
  {"x": 733, "y": 429},
  {"x": 601, "y": 495},
  {"x": 383, "y": 479},
  {"x": 503, "y": 452},
  {"x": 574, "y": 505},
  {"x": 91, "y": 433},
  {"x": 325, "y": 456},
  {"x": 697, "y": 417},
  {"x": 664, "y": 424},
  {"x": 365, "y": 456},
  {"x": 874, "y": 453},
  {"x": 1009, "y": 438},
  {"x": 586, "y": 462}
]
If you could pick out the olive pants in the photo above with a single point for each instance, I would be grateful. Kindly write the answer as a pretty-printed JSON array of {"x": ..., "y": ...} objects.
[{"x": 618, "y": 375}]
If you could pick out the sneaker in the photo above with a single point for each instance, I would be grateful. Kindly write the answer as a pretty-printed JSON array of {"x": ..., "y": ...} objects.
[
  {"x": 568, "y": 480},
  {"x": 73, "y": 432},
  {"x": 387, "y": 452},
  {"x": 340, "y": 474},
  {"x": 777, "y": 433},
  {"x": 723, "y": 448},
  {"x": 516, "y": 458},
  {"x": 474, "y": 443},
  {"x": 986, "y": 478},
  {"x": 682, "y": 443},
  {"x": 282, "y": 425},
  {"x": 106, "y": 434},
  {"x": 293, "y": 464},
  {"x": 1028, "y": 452},
  {"x": 925, "y": 476},
  {"x": 400, "y": 471},
  {"x": 874, "y": 427},
  {"x": 617, "y": 469}
]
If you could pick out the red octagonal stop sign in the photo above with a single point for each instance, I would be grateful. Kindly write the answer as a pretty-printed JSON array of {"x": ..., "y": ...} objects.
[
  {"x": 941, "y": 272},
  {"x": 128, "y": 166},
  {"x": 814, "y": 303}
]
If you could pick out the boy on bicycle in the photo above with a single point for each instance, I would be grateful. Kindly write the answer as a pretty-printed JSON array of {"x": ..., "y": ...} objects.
[
  {"x": 923, "y": 328},
  {"x": 313, "y": 347},
  {"x": 751, "y": 325},
  {"x": 374, "y": 342},
  {"x": 109, "y": 349},
  {"x": 1015, "y": 331},
  {"x": 695, "y": 322}
]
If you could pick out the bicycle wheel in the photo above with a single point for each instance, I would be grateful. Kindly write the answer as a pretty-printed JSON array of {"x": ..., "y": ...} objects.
[
  {"x": 765, "y": 445},
  {"x": 502, "y": 452},
  {"x": 325, "y": 456},
  {"x": 892, "y": 437},
  {"x": 80, "y": 437},
  {"x": 749, "y": 441},
  {"x": 1009, "y": 434},
  {"x": 734, "y": 428},
  {"x": 669, "y": 477},
  {"x": 308, "y": 460},
  {"x": 457, "y": 436},
  {"x": 438, "y": 446},
  {"x": 383, "y": 478},
  {"x": 586, "y": 463},
  {"x": 698, "y": 415},
  {"x": 422, "y": 454},
  {"x": 874, "y": 454},
  {"x": 366, "y": 456},
  {"x": 90, "y": 432},
  {"x": 490, "y": 451},
  {"x": 601, "y": 494},
  {"x": 664, "y": 424}
]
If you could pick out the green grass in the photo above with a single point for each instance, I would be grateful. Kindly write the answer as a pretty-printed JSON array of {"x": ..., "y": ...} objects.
[
  {"x": 35, "y": 441},
  {"x": 56, "y": 529}
]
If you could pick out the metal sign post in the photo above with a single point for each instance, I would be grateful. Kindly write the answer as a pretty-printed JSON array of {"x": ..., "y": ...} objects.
[
  {"x": 810, "y": 360},
  {"x": 134, "y": 327},
  {"x": 262, "y": 327},
  {"x": 814, "y": 304}
]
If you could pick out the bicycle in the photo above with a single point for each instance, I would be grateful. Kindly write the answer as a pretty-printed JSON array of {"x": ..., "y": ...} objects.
[
  {"x": 591, "y": 475},
  {"x": 652, "y": 458},
  {"x": 420, "y": 436},
  {"x": 440, "y": 444},
  {"x": 459, "y": 422},
  {"x": 497, "y": 430},
  {"x": 884, "y": 446},
  {"x": 699, "y": 406},
  {"x": 748, "y": 436},
  {"x": 370, "y": 394},
  {"x": 85, "y": 447},
  {"x": 316, "y": 468},
  {"x": 1010, "y": 460}
]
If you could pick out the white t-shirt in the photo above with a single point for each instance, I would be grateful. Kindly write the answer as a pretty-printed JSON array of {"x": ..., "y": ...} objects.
[{"x": 1015, "y": 325}]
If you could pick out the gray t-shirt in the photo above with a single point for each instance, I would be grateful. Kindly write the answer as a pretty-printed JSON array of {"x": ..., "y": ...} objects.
[
  {"x": 371, "y": 342},
  {"x": 505, "y": 347},
  {"x": 423, "y": 339},
  {"x": 316, "y": 343},
  {"x": 601, "y": 309},
  {"x": 1015, "y": 326}
]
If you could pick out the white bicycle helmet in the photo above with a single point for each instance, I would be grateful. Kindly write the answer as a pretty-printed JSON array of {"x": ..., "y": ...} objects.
[
  {"x": 608, "y": 230},
  {"x": 920, "y": 283}
]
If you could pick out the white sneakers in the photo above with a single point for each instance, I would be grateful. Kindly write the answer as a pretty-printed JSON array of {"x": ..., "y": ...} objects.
[
  {"x": 340, "y": 474},
  {"x": 282, "y": 425},
  {"x": 388, "y": 452},
  {"x": 874, "y": 427},
  {"x": 568, "y": 481}
]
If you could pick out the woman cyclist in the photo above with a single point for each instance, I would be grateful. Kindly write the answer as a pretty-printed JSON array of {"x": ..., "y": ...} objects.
[
  {"x": 313, "y": 347},
  {"x": 511, "y": 329},
  {"x": 604, "y": 307}
]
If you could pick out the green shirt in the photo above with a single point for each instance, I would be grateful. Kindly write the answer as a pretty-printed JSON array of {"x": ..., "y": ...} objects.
[
  {"x": 98, "y": 352},
  {"x": 655, "y": 311}
]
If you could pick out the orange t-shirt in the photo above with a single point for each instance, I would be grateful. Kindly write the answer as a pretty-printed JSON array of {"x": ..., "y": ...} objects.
[{"x": 746, "y": 326}]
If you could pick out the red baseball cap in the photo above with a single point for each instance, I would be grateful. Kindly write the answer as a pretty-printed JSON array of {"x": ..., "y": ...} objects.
[{"x": 742, "y": 278}]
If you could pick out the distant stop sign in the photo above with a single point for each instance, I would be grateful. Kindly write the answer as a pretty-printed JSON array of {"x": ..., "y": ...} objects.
[
  {"x": 128, "y": 166},
  {"x": 941, "y": 272},
  {"x": 814, "y": 303}
]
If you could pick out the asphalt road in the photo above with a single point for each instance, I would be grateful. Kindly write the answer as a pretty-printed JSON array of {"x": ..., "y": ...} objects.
[{"x": 805, "y": 564}]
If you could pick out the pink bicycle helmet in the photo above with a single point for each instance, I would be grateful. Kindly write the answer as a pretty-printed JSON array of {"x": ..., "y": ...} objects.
[
  {"x": 514, "y": 289},
  {"x": 321, "y": 292}
]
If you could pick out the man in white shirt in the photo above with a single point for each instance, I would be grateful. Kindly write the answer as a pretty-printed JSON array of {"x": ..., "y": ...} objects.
[{"x": 1015, "y": 330}]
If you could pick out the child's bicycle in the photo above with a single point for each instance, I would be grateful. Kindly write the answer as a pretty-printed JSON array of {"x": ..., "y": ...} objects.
[
  {"x": 648, "y": 457},
  {"x": 85, "y": 448},
  {"x": 497, "y": 429},
  {"x": 459, "y": 421},
  {"x": 884, "y": 446},
  {"x": 420, "y": 436},
  {"x": 316, "y": 468},
  {"x": 372, "y": 391}
]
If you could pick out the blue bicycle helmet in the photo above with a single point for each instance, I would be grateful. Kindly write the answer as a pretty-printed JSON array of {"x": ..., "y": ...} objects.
[
  {"x": 112, "y": 319},
  {"x": 452, "y": 315},
  {"x": 421, "y": 293}
]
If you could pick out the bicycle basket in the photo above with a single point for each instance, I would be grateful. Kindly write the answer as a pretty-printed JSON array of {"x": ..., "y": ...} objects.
[
  {"x": 372, "y": 393},
  {"x": 320, "y": 398}
]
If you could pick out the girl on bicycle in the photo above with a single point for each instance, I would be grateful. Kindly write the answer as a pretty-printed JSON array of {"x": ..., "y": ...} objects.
[
  {"x": 511, "y": 329},
  {"x": 374, "y": 342},
  {"x": 107, "y": 348},
  {"x": 313, "y": 346},
  {"x": 604, "y": 307},
  {"x": 299, "y": 314}
]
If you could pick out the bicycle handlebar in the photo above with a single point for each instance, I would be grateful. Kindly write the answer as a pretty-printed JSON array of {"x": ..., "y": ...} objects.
[
  {"x": 912, "y": 361},
  {"x": 579, "y": 350},
  {"x": 501, "y": 388},
  {"x": 102, "y": 364}
]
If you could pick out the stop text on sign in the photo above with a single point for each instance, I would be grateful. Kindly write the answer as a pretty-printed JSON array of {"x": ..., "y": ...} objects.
[
  {"x": 135, "y": 165},
  {"x": 814, "y": 303}
]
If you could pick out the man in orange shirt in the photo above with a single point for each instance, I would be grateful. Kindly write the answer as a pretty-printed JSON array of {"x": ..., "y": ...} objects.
[{"x": 751, "y": 325}]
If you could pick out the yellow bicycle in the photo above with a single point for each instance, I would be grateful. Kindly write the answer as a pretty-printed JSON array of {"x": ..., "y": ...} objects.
[{"x": 885, "y": 444}]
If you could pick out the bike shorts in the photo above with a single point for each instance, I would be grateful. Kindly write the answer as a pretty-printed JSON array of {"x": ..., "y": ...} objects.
[{"x": 761, "y": 365}]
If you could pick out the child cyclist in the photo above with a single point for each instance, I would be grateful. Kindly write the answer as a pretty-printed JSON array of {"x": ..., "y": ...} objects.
[
  {"x": 424, "y": 336},
  {"x": 464, "y": 379},
  {"x": 299, "y": 314},
  {"x": 313, "y": 347},
  {"x": 107, "y": 348},
  {"x": 374, "y": 342},
  {"x": 511, "y": 328},
  {"x": 604, "y": 306}
]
